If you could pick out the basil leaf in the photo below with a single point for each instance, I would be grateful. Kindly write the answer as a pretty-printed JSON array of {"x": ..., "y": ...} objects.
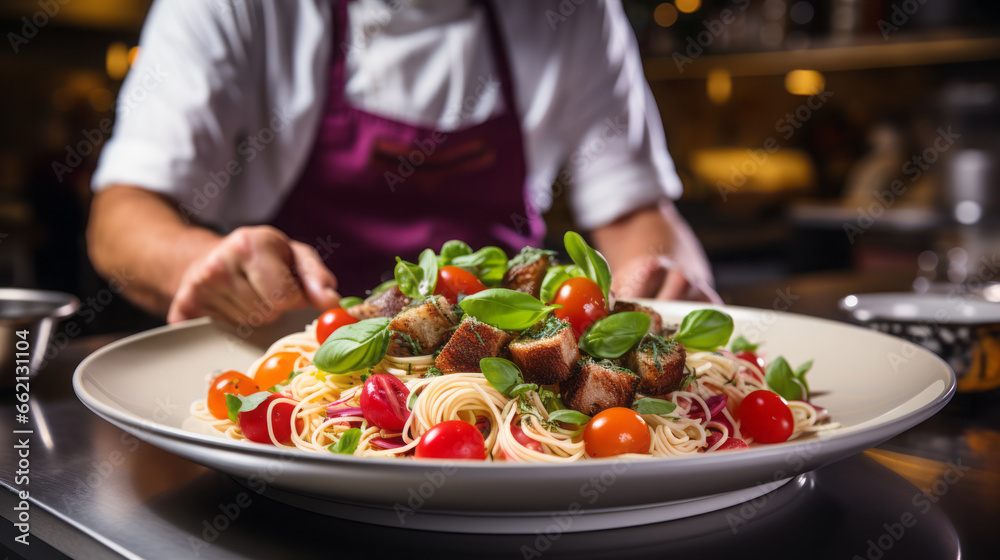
[
  {"x": 569, "y": 416},
  {"x": 354, "y": 347},
  {"x": 408, "y": 276},
  {"x": 612, "y": 336},
  {"x": 781, "y": 379},
  {"x": 348, "y": 442},
  {"x": 592, "y": 263},
  {"x": 550, "y": 400},
  {"x": 429, "y": 269},
  {"x": 649, "y": 405},
  {"x": 502, "y": 374},
  {"x": 489, "y": 264},
  {"x": 506, "y": 309},
  {"x": 741, "y": 344},
  {"x": 383, "y": 286},
  {"x": 800, "y": 374},
  {"x": 452, "y": 249},
  {"x": 233, "y": 404},
  {"x": 705, "y": 329},
  {"x": 349, "y": 302},
  {"x": 554, "y": 278},
  {"x": 523, "y": 388}
]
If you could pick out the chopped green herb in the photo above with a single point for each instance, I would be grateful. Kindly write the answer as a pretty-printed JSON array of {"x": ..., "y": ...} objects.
[
  {"x": 433, "y": 372},
  {"x": 348, "y": 442}
]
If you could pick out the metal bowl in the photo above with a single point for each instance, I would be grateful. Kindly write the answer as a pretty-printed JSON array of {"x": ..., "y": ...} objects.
[
  {"x": 27, "y": 318},
  {"x": 961, "y": 327}
]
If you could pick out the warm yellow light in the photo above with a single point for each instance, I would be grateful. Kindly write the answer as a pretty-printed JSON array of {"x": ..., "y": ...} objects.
[
  {"x": 804, "y": 82},
  {"x": 133, "y": 53},
  {"x": 720, "y": 85},
  {"x": 116, "y": 61},
  {"x": 665, "y": 14},
  {"x": 688, "y": 6}
]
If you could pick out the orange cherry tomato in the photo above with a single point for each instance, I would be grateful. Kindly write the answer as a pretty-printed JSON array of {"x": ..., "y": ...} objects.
[
  {"x": 332, "y": 320},
  {"x": 231, "y": 382},
  {"x": 453, "y": 281},
  {"x": 615, "y": 431},
  {"x": 275, "y": 369},
  {"x": 582, "y": 303}
]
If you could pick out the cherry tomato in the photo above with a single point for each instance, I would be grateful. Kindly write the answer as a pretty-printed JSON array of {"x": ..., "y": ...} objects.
[
  {"x": 383, "y": 402},
  {"x": 275, "y": 369},
  {"x": 615, "y": 431},
  {"x": 453, "y": 439},
  {"x": 524, "y": 440},
  {"x": 254, "y": 422},
  {"x": 332, "y": 320},
  {"x": 230, "y": 382},
  {"x": 765, "y": 416},
  {"x": 582, "y": 303},
  {"x": 751, "y": 357},
  {"x": 453, "y": 281}
]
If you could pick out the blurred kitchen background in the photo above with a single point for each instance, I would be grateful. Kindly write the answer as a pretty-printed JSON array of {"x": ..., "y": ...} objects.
[{"x": 827, "y": 147}]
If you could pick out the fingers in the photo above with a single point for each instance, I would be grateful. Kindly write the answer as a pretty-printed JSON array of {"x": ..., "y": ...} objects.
[
  {"x": 319, "y": 283},
  {"x": 675, "y": 286},
  {"x": 640, "y": 278}
]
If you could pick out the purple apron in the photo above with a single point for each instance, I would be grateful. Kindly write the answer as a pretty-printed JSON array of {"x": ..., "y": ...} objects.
[{"x": 376, "y": 188}]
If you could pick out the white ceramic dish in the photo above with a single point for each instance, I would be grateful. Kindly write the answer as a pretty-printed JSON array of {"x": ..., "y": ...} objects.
[{"x": 875, "y": 385}]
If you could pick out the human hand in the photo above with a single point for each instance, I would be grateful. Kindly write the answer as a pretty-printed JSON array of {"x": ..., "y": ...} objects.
[
  {"x": 254, "y": 275},
  {"x": 659, "y": 277}
]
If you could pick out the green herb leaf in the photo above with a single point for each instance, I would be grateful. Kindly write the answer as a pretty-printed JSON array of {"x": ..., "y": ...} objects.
[
  {"x": 354, "y": 347},
  {"x": 705, "y": 329},
  {"x": 488, "y": 264},
  {"x": 408, "y": 276},
  {"x": 741, "y": 344},
  {"x": 429, "y": 268},
  {"x": 550, "y": 400},
  {"x": 781, "y": 379},
  {"x": 523, "y": 388},
  {"x": 554, "y": 278},
  {"x": 348, "y": 442},
  {"x": 649, "y": 405},
  {"x": 591, "y": 263},
  {"x": 233, "y": 404},
  {"x": 383, "y": 286},
  {"x": 349, "y": 302},
  {"x": 612, "y": 336},
  {"x": 569, "y": 416},
  {"x": 236, "y": 404},
  {"x": 452, "y": 249},
  {"x": 503, "y": 375},
  {"x": 800, "y": 374},
  {"x": 506, "y": 309},
  {"x": 433, "y": 372}
]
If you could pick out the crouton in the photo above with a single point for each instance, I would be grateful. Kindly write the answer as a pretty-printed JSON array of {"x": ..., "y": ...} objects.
[
  {"x": 547, "y": 352},
  {"x": 659, "y": 363},
  {"x": 472, "y": 341},
  {"x": 387, "y": 303},
  {"x": 600, "y": 385},
  {"x": 655, "y": 320},
  {"x": 526, "y": 271},
  {"x": 422, "y": 328}
]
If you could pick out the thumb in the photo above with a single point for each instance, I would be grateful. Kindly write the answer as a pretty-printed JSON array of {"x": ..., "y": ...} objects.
[{"x": 319, "y": 283}]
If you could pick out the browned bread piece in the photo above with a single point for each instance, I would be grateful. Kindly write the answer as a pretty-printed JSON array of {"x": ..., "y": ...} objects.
[
  {"x": 655, "y": 320},
  {"x": 659, "y": 363},
  {"x": 600, "y": 385},
  {"x": 472, "y": 341},
  {"x": 527, "y": 270},
  {"x": 386, "y": 303},
  {"x": 422, "y": 327},
  {"x": 546, "y": 353}
]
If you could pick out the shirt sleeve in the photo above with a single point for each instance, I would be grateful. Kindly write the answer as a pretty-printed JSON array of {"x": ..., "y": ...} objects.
[
  {"x": 619, "y": 160},
  {"x": 178, "y": 108}
]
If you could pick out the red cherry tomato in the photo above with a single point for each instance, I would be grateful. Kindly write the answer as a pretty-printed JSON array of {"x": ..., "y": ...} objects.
[
  {"x": 751, "y": 357},
  {"x": 332, "y": 320},
  {"x": 765, "y": 416},
  {"x": 254, "y": 422},
  {"x": 453, "y": 439},
  {"x": 230, "y": 382},
  {"x": 582, "y": 303},
  {"x": 383, "y": 402},
  {"x": 524, "y": 440},
  {"x": 615, "y": 431},
  {"x": 453, "y": 281},
  {"x": 275, "y": 369}
]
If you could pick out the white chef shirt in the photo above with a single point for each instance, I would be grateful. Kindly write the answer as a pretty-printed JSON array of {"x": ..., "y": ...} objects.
[{"x": 221, "y": 107}]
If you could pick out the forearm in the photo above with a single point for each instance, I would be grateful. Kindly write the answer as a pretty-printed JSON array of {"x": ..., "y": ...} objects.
[{"x": 138, "y": 237}]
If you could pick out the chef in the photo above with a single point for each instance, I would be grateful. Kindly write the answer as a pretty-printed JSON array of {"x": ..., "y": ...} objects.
[{"x": 273, "y": 154}]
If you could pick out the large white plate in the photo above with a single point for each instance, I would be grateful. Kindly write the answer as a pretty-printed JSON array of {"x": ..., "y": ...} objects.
[{"x": 875, "y": 385}]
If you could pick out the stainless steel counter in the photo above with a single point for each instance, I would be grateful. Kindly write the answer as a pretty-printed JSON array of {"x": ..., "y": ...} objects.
[{"x": 97, "y": 492}]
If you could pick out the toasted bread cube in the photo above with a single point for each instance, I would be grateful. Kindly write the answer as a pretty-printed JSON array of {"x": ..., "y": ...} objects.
[
  {"x": 422, "y": 328},
  {"x": 546, "y": 353},
  {"x": 387, "y": 303},
  {"x": 600, "y": 385},
  {"x": 659, "y": 363},
  {"x": 526, "y": 271},
  {"x": 472, "y": 341}
]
